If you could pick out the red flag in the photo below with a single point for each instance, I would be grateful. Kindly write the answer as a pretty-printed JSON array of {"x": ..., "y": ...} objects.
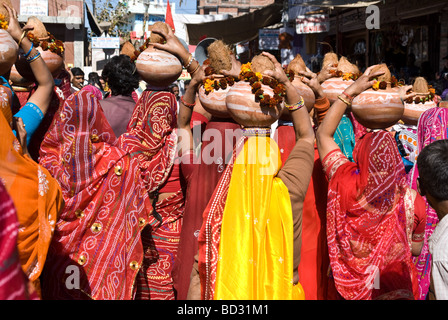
[{"x": 169, "y": 16}]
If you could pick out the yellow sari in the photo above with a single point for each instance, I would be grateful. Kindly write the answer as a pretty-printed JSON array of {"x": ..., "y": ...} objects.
[{"x": 256, "y": 245}]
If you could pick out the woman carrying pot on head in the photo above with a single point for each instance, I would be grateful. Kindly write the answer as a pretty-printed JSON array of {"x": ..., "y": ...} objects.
[{"x": 374, "y": 219}]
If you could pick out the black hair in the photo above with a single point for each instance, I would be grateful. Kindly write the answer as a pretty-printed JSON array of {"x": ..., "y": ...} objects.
[
  {"x": 432, "y": 164},
  {"x": 94, "y": 80},
  {"x": 121, "y": 75},
  {"x": 77, "y": 72}
]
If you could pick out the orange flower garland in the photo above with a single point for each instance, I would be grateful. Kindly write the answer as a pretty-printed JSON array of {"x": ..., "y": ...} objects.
[
  {"x": 256, "y": 80},
  {"x": 52, "y": 44},
  {"x": 211, "y": 85}
]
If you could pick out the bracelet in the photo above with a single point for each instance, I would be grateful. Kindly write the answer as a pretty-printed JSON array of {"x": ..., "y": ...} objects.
[
  {"x": 345, "y": 101},
  {"x": 190, "y": 61},
  {"x": 191, "y": 73},
  {"x": 29, "y": 51},
  {"x": 33, "y": 58},
  {"x": 348, "y": 96},
  {"x": 296, "y": 106},
  {"x": 188, "y": 105},
  {"x": 21, "y": 38}
]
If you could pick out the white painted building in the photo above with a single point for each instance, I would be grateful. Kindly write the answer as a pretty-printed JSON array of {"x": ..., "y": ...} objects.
[{"x": 155, "y": 10}]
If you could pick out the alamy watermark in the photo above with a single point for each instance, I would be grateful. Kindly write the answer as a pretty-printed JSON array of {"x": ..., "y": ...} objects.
[{"x": 373, "y": 18}]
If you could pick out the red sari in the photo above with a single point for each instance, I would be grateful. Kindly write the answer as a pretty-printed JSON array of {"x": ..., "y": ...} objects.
[
  {"x": 105, "y": 184},
  {"x": 369, "y": 221},
  {"x": 203, "y": 181}
]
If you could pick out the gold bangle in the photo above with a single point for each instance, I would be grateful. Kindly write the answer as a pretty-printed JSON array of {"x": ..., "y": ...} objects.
[
  {"x": 21, "y": 38},
  {"x": 345, "y": 101},
  {"x": 191, "y": 73}
]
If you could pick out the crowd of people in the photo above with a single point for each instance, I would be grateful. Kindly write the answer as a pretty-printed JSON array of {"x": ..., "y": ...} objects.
[{"x": 104, "y": 195}]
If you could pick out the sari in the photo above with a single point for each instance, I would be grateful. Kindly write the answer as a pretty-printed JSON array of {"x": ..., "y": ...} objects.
[
  {"x": 220, "y": 135},
  {"x": 97, "y": 250},
  {"x": 151, "y": 138},
  {"x": 36, "y": 197},
  {"x": 13, "y": 281},
  {"x": 369, "y": 221},
  {"x": 432, "y": 126},
  {"x": 251, "y": 202}
]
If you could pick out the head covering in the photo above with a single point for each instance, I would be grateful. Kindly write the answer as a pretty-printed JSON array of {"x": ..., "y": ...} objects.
[
  {"x": 93, "y": 90},
  {"x": 107, "y": 205},
  {"x": 432, "y": 126},
  {"x": 37, "y": 198},
  {"x": 151, "y": 136},
  {"x": 369, "y": 220},
  {"x": 252, "y": 202}
]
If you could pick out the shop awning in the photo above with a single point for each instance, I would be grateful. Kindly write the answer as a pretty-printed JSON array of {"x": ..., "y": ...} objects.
[
  {"x": 238, "y": 29},
  {"x": 94, "y": 25},
  {"x": 339, "y": 3}
]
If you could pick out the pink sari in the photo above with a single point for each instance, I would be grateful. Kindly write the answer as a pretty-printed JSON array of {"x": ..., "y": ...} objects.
[{"x": 432, "y": 126}]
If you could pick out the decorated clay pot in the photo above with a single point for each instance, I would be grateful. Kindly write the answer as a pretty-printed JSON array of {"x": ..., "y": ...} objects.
[
  {"x": 412, "y": 111},
  {"x": 214, "y": 102},
  {"x": 157, "y": 67},
  {"x": 378, "y": 109},
  {"x": 241, "y": 105},
  {"x": 335, "y": 86},
  {"x": 54, "y": 63},
  {"x": 9, "y": 50}
]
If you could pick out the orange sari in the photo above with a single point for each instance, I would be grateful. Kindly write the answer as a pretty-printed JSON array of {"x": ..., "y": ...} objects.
[{"x": 37, "y": 198}]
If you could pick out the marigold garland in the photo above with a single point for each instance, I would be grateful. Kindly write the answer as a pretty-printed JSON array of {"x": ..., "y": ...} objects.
[
  {"x": 382, "y": 85},
  {"x": 52, "y": 44},
  {"x": 3, "y": 23},
  {"x": 255, "y": 80},
  {"x": 211, "y": 85}
]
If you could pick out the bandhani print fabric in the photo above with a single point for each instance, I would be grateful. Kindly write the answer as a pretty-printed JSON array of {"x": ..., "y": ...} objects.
[
  {"x": 369, "y": 221},
  {"x": 432, "y": 126},
  {"x": 97, "y": 250}
]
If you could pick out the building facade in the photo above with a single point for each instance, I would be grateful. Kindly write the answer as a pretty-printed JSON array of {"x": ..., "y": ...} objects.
[
  {"x": 64, "y": 19},
  {"x": 232, "y": 7}
]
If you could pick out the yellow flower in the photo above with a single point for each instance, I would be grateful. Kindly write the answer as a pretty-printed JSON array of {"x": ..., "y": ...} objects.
[
  {"x": 3, "y": 23},
  {"x": 246, "y": 67},
  {"x": 346, "y": 76},
  {"x": 376, "y": 85},
  {"x": 258, "y": 75},
  {"x": 208, "y": 85}
]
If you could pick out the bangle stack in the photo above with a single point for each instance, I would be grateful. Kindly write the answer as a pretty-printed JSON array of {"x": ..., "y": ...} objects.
[
  {"x": 349, "y": 97},
  {"x": 188, "y": 105},
  {"x": 33, "y": 58},
  {"x": 190, "y": 60},
  {"x": 295, "y": 106}
]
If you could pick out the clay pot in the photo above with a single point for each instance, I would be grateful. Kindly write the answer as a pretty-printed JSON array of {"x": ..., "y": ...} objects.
[
  {"x": 9, "y": 51},
  {"x": 214, "y": 102},
  {"x": 157, "y": 67},
  {"x": 17, "y": 79},
  {"x": 242, "y": 107},
  {"x": 334, "y": 87},
  {"x": 413, "y": 111},
  {"x": 378, "y": 109},
  {"x": 54, "y": 63}
]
